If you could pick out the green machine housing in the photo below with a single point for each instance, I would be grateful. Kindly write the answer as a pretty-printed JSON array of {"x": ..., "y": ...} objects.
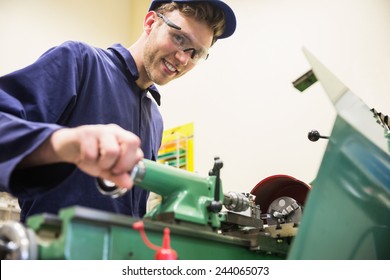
[{"x": 347, "y": 213}]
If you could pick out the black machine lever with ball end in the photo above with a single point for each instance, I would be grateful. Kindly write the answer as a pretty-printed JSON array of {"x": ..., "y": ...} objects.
[
  {"x": 216, "y": 205},
  {"x": 314, "y": 135}
]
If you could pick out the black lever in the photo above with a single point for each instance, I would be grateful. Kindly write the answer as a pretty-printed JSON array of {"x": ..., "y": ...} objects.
[
  {"x": 314, "y": 135},
  {"x": 216, "y": 205}
]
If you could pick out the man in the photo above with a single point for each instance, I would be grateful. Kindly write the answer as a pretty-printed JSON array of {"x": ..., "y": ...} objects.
[{"x": 81, "y": 112}]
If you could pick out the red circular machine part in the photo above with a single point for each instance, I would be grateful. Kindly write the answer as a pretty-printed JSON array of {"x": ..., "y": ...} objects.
[{"x": 273, "y": 187}]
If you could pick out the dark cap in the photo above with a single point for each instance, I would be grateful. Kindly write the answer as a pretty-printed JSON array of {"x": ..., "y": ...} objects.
[{"x": 230, "y": 18}]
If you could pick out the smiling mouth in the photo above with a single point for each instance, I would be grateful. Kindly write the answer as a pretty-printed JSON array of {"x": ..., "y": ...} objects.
[{"x": 170, "y": 66}]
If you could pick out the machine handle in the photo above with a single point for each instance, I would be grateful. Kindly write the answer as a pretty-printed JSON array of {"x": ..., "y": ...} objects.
[
  {"x": 314, "y": 135},
  {"x": 216, "y": 205},
  {"x": 107, "y": 187}
]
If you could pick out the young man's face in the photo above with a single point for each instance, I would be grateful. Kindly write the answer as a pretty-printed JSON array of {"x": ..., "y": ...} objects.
[{"x": 169, "y": 52}]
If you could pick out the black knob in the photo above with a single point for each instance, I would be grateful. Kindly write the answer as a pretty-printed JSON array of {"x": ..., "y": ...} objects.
[
  {"x": 314, "y": 135},
  {"x": 215, "y": 206}
]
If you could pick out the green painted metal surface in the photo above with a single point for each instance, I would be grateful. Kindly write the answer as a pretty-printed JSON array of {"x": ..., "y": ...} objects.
[
  {"x": 86, "y": 234},
  {"x": 347, "y": 213},
  {"x": 184, "y": 194}
]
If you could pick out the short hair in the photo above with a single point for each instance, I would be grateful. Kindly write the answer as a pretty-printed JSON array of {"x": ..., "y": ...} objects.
[{"x": 201, "y": 11}]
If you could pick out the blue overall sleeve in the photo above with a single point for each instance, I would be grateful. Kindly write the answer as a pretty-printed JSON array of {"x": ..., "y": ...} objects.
[{"x": 34, "y": 101}]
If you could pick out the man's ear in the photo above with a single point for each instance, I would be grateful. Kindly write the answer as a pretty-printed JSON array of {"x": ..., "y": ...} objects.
[{"x": 150, "y": 19}]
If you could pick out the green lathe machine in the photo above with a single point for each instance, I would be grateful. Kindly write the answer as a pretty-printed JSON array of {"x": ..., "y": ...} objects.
[{"x": 343, "y": 214}]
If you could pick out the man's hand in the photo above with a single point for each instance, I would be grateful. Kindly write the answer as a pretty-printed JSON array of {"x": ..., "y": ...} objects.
[{"x": 105, "y": 151}]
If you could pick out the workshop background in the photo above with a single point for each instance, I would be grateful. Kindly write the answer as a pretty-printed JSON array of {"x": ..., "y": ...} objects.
[{"x": 241, "y": 101}]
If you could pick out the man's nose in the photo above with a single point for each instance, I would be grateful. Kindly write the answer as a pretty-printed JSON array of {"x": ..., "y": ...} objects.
[{"x": 183, "y": 57}]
